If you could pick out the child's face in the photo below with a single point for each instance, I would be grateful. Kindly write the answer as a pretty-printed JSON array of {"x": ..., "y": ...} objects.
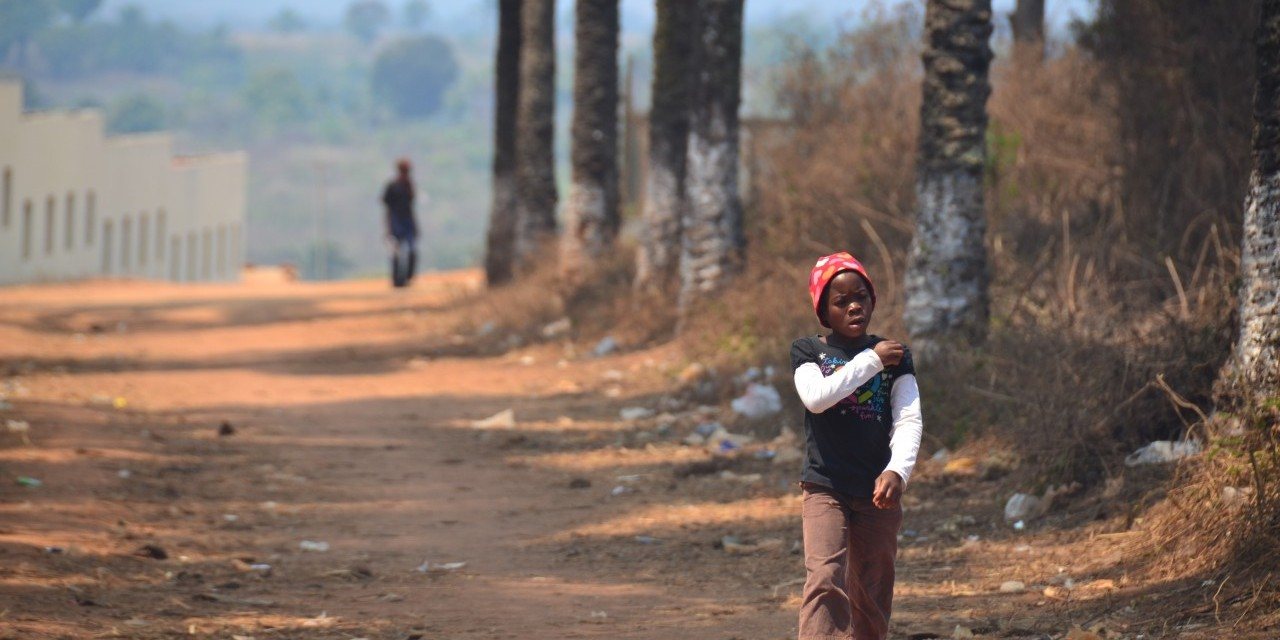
[{"x": 849, "y": 305}]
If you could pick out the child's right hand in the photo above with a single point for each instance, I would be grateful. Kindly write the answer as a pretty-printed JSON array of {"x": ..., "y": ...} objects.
[{"x": 890, "y": 352}]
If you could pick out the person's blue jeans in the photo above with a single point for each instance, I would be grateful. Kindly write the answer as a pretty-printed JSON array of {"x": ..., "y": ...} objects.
[{"x": 404, "y": 258}]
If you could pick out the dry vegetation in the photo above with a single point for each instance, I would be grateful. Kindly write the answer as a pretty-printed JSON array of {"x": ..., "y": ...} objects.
[{"x": 1115, "y": 180}]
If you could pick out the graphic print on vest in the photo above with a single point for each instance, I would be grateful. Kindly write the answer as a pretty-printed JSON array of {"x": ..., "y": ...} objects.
[{"x": 869, "y": 402}]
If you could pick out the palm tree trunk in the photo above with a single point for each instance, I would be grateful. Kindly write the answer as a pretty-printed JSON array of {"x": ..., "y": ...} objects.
[
  {"x": 591, "y": 214},
  {"x": 1253, "y": 371},
  {"x": 946, "y": 281},
  {"x": 1027, "y": 22},
  {"x": 712, "y": 238},
  {"x": 535, "y": 129},
  {"x": 500, "y": 243},
  {"x": 664, "y": 196}
]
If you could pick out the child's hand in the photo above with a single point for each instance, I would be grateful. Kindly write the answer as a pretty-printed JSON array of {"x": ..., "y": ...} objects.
[
  {"x": 890, "y": 352},
  {"x": 888, "y": 490}
]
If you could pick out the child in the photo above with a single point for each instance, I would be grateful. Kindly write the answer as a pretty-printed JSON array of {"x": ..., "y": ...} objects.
[{"x": 862, "y": 430}]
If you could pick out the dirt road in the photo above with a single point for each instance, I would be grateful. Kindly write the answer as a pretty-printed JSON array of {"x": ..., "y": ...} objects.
[{"x": 191, "y": 443}]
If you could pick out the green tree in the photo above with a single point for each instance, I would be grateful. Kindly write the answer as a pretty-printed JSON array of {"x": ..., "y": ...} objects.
[
  {"x": 365, "y": 18},
  {"x": 287, "y": 21},
  {"x": 79, "y": 10},
  {"x": 277, "y": 97},
  {"x": 21, "y": 20},
  {"x": 138, "y": 113},
  {"x": 412, "y": 75},
  {"x": 415, "y": 13}
]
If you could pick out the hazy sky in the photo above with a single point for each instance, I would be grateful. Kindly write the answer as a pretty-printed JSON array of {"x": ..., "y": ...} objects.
[{"x": 471, "y": 14}]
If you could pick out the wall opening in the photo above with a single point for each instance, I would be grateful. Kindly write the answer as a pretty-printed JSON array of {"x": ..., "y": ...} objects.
[
  {"x": 222, "y": 251},
  {"x": 50, "y": 204},
  {"x": 175, "y": 264},
  {"x": 206, "y": 255},
  {"x": 126, "y": 243},
  {"x": 89, "y": 214},
  {"x": 237, "y": 258},
  {"x": 28, "y": 225},
  {"x": 69, "y": 227},
  {"x": 6, "y": 196},
  {"x": 106, "y": 247},
  {"x": 144, "y": 234},
  {"x": 162, "y": 222},
  {"x": 191, "y": 256}
]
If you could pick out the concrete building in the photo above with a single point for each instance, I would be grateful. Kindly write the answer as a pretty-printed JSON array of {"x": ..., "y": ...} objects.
[{"x": 77, "y": 204}]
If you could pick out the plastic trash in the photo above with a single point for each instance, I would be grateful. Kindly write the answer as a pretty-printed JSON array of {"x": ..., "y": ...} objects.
[
  {"x": 648, "y": 540},
  {"x": 707, "y": 428},
  {"x": 1162, "y": 451},
  {"x": 961, "y": 633},
  {"x": 619, "y": 490},
  {"x": 505, "y": 419},
  {"x": 744, "y": 478},
  {"x": 758, "y": 401},
  {"x": 1019, "y": 525},
  {"x": 487, "y": 328},
  {"x": 941, "y": 455},
  {"x": 440, "y": 567},
  {"x": 124, "y": 474},
  {"x": 766, "y": 454},
  {"x": 1012, "y": 586},
  {"x": 606, "y": 346},
  {"x": 28, "y": 481},
  {"x": 17, "y": 426},
  {"x": 1021, "y": 506},
  {"x": 635, "y": 413},
  {"x": 311, "y": 545},
  {"x": 557, "y": 329}
]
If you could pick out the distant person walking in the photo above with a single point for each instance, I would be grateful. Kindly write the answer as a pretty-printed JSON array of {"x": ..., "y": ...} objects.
[{"x": 402, "y": 227}]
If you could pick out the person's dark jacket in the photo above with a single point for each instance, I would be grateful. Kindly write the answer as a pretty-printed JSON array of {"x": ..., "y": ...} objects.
[{"x": 398, "y": 197}]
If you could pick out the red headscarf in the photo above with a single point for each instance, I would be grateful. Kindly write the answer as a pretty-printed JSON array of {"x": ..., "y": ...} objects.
[{"x": 827, "y": 268}]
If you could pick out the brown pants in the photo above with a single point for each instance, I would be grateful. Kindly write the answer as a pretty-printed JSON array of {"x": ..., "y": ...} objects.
[{"x": 849, "y": 549}]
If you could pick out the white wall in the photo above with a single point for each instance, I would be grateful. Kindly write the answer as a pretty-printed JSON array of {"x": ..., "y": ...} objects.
[{"x": 83, "y": 205}]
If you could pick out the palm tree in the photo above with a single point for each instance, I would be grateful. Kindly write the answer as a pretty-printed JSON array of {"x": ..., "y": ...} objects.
[
  {"x": 712, "y": 237},
  {"x": 591, "y": 215},
  {"x": 664, "y": 199},
  {"x": 946, "y": 280},
  {"x": 1027, "y": 22},
  {"x": 535, "y": 128},
  {"x": 500, "y": 243},
  {"x": 1253, "y": 370}
]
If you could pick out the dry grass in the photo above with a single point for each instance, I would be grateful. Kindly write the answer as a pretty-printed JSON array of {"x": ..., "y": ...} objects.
[{"x": 1107, "y": 332}]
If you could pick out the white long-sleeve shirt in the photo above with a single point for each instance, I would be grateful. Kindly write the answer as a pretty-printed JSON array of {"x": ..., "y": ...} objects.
[{"x": 820, "y": 393}]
